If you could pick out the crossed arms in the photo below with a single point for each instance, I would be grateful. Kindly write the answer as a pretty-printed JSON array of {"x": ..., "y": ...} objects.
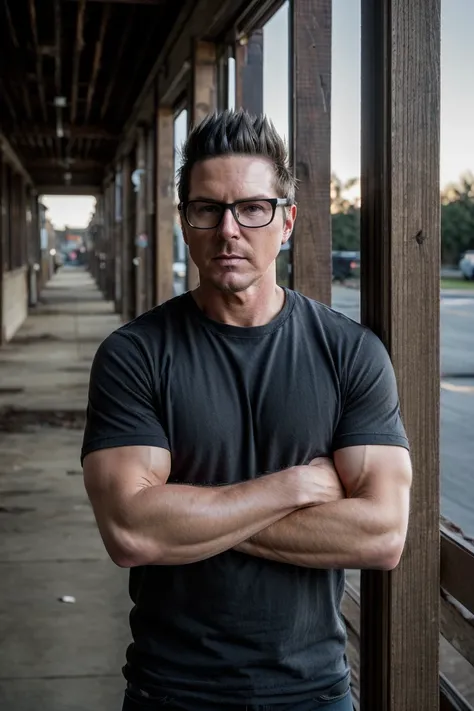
[{"x": 349, "y": 512}]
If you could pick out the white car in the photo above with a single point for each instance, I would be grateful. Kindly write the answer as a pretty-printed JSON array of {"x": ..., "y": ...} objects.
[{"x": 466, "y": 265}]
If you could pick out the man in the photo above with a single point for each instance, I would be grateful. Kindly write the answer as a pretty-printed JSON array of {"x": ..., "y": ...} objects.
[{"x": 243, "y": 446}]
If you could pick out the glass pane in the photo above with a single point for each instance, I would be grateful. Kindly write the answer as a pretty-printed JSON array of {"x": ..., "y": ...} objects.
[
  {"x": 179, "y": 246},
  {"x": 231, "y": 70},
  {"x": 276, "y": 99}
]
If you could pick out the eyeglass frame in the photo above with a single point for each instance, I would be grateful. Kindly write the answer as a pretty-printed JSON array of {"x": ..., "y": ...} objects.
[{"x": 274, "y": 202}]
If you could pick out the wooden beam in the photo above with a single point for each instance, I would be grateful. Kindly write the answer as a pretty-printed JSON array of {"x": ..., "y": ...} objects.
[
  {"x": 128, "y": 230},
  {"x": 79, "y": 44},
  {"x": 203, "y": 102},
  {"x": 400, "y": 255},
  {"x": 165, "y": 207},
  {"x": 38, "y": 57},
  {"x": 197, "y": 19},
  {"x": 10, "y": 156},
  {"x": 457, "y": 626},
  {"x": 457, "y": 570},
  {"x": 97, "y": 59},
  {"x": 138, "y": 59},
  {"x": 249, "y": 73},
  {"x": 128, "y": 2},
  {"x": 310, "y": 34},
  {"x": 115, "y": 75},
  {"x": 74, "y": 164},
  {"x": 60, "y": 189},
  {"x": 141, "y": 252},
  {"x": 75, "y": 132},
  {"x": 11, "y": 26},
  {"x": 57, "y": 46}
]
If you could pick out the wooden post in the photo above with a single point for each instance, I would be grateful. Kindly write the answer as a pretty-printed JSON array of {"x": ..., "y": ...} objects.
[
  {"x": 223, "y": 80},
  {"x": 118, "y": 236},
  {"x": 3, "y": 238},
  {"x": 140, "y": 229},
  {"x": 127, "y": 241},
  {"x": 203, "y": 102},
  {"x": 164, "y": 203},
  {"x": 310, "y": 58},
  {"x": 249, "y": 73},
  {"x": 400, "y": 245}
]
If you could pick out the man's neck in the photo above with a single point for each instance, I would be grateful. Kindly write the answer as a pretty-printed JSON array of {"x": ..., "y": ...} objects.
[{"x": 256, "y": 306}]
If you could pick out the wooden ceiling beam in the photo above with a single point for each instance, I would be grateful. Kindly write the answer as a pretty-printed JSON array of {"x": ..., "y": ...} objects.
[
  {"x": 57, "y": 46},
  {"x": 58, "y": 189},
  {"x": 79, "y": 44},
  {"x": 97, "y": 59},
  {"x": 97, "y": 132},
  {"x": 11, "y": 27},
  {"x": 115, "y": 75},
  {"x": 39, "y": 59},
  {"x": 128, "y": 2},
  {"x": 61, "y": 164}
]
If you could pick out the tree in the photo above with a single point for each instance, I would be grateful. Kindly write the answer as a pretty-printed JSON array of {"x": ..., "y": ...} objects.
[
  {"x": 345, "y": 214},
  {"x": 457, "y": 219}
]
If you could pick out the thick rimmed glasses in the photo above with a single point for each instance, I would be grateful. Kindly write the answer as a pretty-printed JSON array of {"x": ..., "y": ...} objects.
[{"x": 208, "y": 214}]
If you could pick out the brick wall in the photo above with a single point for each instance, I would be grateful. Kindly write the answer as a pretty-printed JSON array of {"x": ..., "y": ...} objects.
[{"x": 14, "y": 302}]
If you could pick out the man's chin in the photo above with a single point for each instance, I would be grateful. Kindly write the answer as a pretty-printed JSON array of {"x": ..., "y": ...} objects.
[{"x": 232, "y": 283}]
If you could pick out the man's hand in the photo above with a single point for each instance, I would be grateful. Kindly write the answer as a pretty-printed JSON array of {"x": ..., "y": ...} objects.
[{"x": 320, "y": 479}]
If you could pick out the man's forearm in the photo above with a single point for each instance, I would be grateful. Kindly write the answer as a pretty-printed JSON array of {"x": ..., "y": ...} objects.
[
  {"x": 350, "y": 533},
  {"x": 176, "y": 524}
]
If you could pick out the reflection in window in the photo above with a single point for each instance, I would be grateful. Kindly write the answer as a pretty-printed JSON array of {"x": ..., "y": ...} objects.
[
  {"x": 179, "y": 246},
  {"x": 231, "y": 83},
  {"x": 276, "y": 99}
]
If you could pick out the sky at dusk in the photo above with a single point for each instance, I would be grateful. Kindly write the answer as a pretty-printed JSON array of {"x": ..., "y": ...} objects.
[{"x": 457, "y": 95}]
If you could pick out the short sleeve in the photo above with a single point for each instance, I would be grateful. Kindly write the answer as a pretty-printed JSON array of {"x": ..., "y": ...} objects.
[
  {"x": 121, "y": 409},
  {"x": 371, "y": 409}
]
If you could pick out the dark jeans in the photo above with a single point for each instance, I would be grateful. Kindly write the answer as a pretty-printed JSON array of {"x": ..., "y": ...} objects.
[{"x": 335, "y": 700}]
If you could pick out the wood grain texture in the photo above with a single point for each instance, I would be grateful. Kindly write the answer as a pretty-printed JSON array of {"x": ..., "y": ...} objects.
[
  {"x": 400, "y": 246},
  {"x": 203, "y": 102},
  {"x": 140, "y": 226},
  {"x": 164, "y": 203},
  {"x": 310, "y": 34},
  {"x": 127, "y": 242}
]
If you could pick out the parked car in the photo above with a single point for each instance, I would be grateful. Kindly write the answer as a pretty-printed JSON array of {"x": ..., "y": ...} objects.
[
  {"x": 345, "y": 265},
  {"x": 466, "y": 265}
]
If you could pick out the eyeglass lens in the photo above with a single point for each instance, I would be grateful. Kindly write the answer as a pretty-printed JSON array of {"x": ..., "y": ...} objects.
[{"x": 254, "y": 213}]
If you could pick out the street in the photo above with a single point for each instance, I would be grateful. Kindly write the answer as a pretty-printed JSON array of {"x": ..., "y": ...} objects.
[{"x": 457, "y": 399}]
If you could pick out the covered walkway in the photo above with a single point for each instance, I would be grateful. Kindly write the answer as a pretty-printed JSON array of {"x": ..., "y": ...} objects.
[{"x": 54, "y": 655}]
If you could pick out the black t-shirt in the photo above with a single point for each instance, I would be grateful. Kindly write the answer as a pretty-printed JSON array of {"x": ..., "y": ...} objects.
[{"x": 231, "y": 404}]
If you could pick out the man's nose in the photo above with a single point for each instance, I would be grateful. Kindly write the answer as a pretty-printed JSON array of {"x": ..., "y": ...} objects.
[{"x": 229, "y": 227}]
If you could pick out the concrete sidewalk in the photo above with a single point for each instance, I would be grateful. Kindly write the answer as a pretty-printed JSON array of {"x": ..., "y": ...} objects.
[{"x": 55, "y": 656}]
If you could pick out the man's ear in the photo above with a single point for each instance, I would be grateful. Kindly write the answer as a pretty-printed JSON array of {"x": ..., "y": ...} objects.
[
  {"x": 290, "y": 217},
  {"x": 183, "y": 229}
]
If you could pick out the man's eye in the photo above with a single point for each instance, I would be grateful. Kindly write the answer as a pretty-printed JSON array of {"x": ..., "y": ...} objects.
[
  {"x": 208, "y": 208},
  {"x": 253, "y": 208}
]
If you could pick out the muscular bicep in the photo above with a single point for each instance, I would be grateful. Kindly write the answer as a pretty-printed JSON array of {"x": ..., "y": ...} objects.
[
  {"x": 381, "y": 474},
  {"x": 112, "y": 477}
]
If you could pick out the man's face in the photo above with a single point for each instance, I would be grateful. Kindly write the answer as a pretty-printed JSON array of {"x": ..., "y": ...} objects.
[{"x": 227, "y": 179}]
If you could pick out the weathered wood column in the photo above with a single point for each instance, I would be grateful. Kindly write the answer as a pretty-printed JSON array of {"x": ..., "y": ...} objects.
[
  {"x": 310, "y": 119},
  {"x": 249, "y": 73},
  {"x": 4, "y": 256},
  {"x": 400, "y": 302},
  {"x": 203, "y": 102},
  {"x": 164, "y": 203},
  {"x": 118, "y": 236},
  {"x": 140, "y": 229},
  {"x": 127, "y": 242}
]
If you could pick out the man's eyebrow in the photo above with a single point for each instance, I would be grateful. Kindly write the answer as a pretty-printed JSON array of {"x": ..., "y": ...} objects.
[{"x": 201, "y": 198}]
